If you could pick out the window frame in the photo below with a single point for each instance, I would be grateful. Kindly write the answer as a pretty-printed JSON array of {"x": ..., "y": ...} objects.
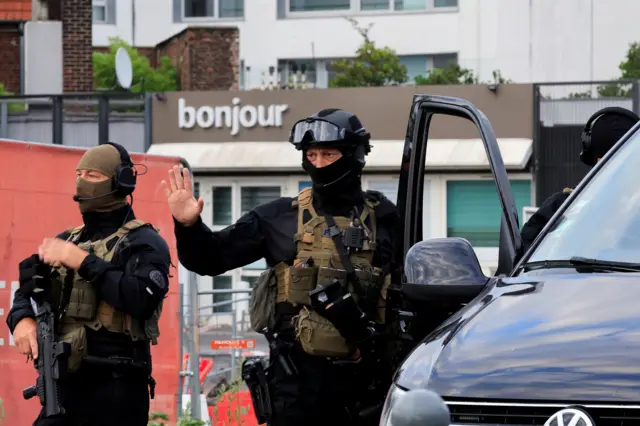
[
  {"x": 214, "y": 17},
  {"x": 356, "y": 9},
  {"x": 103, "y": 5}
]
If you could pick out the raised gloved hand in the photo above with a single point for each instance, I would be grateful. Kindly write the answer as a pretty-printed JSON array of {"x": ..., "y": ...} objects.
[{"x": 182, "y": 203}]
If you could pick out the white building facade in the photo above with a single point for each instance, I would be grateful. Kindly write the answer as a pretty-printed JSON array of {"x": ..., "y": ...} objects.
[{"x": 528, "y": 41}]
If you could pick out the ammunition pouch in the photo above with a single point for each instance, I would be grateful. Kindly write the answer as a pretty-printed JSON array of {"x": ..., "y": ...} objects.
[
  {"x": 76, "y": 337},
  {"x": 262, "y": 305},
  {"x": 319, "y": 337}
]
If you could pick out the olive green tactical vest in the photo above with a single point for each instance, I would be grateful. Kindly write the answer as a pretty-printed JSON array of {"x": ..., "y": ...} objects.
[
  {"x": 84, "y": 307},
  {"x": 294, "y": 283}
]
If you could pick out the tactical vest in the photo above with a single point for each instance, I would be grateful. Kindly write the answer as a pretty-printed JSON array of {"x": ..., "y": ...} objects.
[
  {"x": 85, "y": 309},
  {"x": 317, "y": 335}
]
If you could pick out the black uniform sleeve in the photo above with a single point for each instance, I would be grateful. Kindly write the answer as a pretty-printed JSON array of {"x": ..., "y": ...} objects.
[
  {"x": 389, "y": 252},
  {"x": 540, "y": 218},
  {"x": 208, "y": 252},
  {"x": 20, "y": 310},
  {"x": 21, "y": 307},
  {"x": 137, "y": 279}
]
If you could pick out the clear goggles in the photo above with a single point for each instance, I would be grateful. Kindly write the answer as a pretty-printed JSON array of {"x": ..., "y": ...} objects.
[{"x": 316, "y": 130}]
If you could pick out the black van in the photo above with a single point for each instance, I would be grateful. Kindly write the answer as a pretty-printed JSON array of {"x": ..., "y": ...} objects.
[{"x": 554, "y": 337}]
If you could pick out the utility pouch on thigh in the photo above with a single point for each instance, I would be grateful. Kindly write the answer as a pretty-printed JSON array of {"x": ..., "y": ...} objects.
[
  {"x": 262, "y": 304},
  {"x": 319, "y": 337},
  {"x": 327, "y": 275},
  {"x": 77, "y": 339},
  {"x": 301, "y": 282}
]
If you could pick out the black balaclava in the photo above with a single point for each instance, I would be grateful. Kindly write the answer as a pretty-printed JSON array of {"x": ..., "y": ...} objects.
[
  {"x": 104, "y": 159},
  {"x": 337, "y": 187}
]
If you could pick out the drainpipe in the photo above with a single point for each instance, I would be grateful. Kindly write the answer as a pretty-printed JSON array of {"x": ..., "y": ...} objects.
[
  {"x": 22, "y": 58},
  {"x": 133, "y": 23}
]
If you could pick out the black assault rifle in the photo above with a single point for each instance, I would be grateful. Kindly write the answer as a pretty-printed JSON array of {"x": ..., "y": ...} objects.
[{"x": 52, "y": 360}]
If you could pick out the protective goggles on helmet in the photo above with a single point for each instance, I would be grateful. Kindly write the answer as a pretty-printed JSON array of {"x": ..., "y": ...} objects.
[{"x": 316, "y": 130}]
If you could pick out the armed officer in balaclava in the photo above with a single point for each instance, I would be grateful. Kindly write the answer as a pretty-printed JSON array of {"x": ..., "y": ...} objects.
[
  {"x": 109, "y": 276},
  {"x": 321, "y": 304}
]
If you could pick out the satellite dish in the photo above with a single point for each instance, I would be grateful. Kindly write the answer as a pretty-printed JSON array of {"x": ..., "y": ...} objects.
[{"x": 124, "y": 69}]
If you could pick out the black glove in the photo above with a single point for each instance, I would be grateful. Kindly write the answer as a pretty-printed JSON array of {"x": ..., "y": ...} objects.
[{"x": 30, "y": 267}]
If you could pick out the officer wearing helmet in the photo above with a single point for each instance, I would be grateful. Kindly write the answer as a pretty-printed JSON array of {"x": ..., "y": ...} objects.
[
  {"x": 330, "y": 253},
  {"x": 601, "y": 132}
]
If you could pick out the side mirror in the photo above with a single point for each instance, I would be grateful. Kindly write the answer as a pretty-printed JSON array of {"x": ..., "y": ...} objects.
[{"x": 443, "y": 270}]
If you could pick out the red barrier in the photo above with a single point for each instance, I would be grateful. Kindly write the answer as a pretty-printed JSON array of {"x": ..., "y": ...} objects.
[
  {"x": 233, "y": 409},
  {"x": 36, "y": 185}
]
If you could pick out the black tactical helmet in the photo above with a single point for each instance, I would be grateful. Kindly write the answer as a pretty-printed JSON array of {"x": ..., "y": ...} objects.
[{"x": 330, "y": 128}]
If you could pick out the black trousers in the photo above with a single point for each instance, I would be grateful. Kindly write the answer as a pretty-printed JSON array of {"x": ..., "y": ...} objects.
[
  {"x": 93, "y": 397},
  {"x": 321, "y": 394}
]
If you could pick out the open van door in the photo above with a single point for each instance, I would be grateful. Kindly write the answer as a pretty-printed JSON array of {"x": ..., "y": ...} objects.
[
  {"x": 411, "y": 185},
  {"x": 441, "y": 275}
]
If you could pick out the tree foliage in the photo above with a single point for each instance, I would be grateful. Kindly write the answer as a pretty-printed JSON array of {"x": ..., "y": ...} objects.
[
  {"x": 455, "y": 74},
  {"x": 629, "y": 70},
  {"x": 164, "y": 78},
  {"x": 372, "y": 66}
]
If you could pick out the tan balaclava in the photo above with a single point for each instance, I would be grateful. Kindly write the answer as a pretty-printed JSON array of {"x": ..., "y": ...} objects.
[{"x": 104, "y": 159}]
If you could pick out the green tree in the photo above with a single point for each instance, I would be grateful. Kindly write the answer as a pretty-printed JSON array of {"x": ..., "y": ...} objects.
[
  {"x": 372, "y": 66},
  {"x": 629, "y": 69},
  {"x": 453, "y": 73},
  {"x": 164, "y": 78}
]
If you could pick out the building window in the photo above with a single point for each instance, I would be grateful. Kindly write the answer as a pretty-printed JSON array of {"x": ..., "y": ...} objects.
[
  {"x": 295, "y": 73},
  {"x": 250, "y": 198},
  {"x": 253, "y": 196},
  {"x": 445, "y": 3},
  {"x": 368, "y": 6},
  {"x": 318, "y": 5},
  {"x": 100, "y": 11},
  {"x": 304, "y": 184},
  {"x": 222, "y": 282},
  {"x": 212, "y": 9},
  {"x": 443, "y": 60},
  {"x": 222, "y": 206},
  {"x": 374, "y": 5},
  {"x": 474, "y": 211}
]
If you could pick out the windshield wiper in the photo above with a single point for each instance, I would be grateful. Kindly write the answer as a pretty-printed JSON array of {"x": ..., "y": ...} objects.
[{"x": 584, "y": 264}]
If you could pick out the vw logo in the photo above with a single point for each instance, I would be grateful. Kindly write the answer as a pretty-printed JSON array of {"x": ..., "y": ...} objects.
[{"x": 570, "y": 417}]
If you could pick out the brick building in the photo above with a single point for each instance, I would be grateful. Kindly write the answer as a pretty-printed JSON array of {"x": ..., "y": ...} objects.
[
  {"x": 75, "y": 16},
  {"x": 206, "y": 58},
  {"x": 12, "y": 16}
]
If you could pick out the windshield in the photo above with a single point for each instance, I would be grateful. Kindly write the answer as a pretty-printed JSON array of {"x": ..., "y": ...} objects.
[{"x": 603, "y": 222}]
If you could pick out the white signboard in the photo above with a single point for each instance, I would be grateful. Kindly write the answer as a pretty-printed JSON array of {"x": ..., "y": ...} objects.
[{"x": 232, "y": 117}]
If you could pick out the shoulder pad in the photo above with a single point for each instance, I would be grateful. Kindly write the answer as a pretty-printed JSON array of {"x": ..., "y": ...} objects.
[
  {"x": 138, "y": 223},
  {"x": 72, "y": 232},
  {"x": 304, "y": 198}
]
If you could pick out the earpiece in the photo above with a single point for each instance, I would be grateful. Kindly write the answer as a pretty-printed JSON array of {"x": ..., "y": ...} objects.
[
  {"x": 125, "y": 176},
  {"x": 587, "y": 156}
]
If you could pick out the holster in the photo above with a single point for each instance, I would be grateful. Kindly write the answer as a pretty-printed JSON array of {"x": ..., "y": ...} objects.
[{"x": 254, "y": 375}]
